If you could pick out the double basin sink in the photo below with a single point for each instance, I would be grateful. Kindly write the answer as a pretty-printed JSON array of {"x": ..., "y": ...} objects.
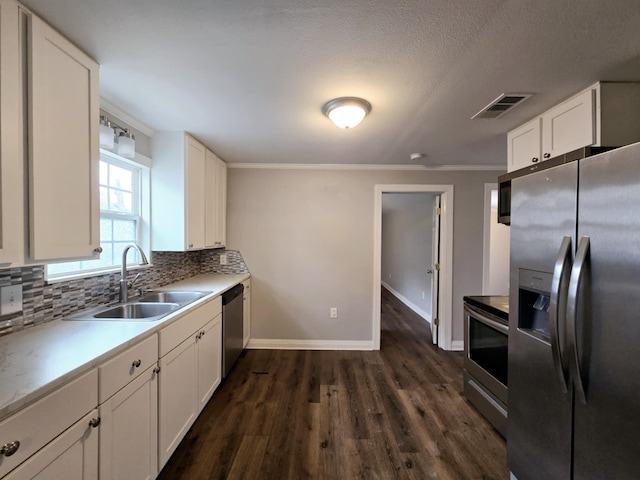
[{"x": 151, "y": 306}]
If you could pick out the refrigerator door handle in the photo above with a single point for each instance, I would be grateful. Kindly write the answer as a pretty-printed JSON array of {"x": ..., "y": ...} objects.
[
  {"x": 557, "y": 311},
  {"x": 575, "y": 283}
]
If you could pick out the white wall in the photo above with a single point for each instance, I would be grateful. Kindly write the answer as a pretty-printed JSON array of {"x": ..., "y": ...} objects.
[
  {"x": 307, "y": 238},
  {"x": 407, "y": 248}
]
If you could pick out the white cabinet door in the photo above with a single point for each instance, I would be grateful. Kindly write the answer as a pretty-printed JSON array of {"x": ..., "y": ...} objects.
[
  {"x": 129, "y": 431},
  {"x": 71, "y": 456},
  {"x": 221, "y": 203},
  {"x": 11, "y": 209},
  {"x": 246, "y": 312},
  {"x": 569, "y": 126},
  {"x": 63, "y": 186},
  {"x": 523, "y": 145},
  {"x": 216, "y": 203},
  {"x": 178, "y": 402},
  {"x": 195, "y": 193},
  {"x": 209, "y": 360}
]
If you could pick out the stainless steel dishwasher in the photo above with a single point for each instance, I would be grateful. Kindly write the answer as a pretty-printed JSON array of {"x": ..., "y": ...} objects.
[{"x": 232, "y": 329}]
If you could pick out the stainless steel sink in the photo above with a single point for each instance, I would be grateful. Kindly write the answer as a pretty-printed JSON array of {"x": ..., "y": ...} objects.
[
  {"x": 137, "y": 311},
  {"x": 181, "y": 297},
  {"x": 151, "y": 306}
]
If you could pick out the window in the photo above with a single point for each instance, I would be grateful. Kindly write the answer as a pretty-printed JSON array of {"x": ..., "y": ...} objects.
[{"x": 123, "y": 194}]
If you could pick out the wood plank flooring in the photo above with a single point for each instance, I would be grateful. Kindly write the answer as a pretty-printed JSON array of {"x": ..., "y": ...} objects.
[{"x": 397, "y": 413}]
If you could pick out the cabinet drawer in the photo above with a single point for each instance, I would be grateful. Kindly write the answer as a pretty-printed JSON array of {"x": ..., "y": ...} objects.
[
  {"x": 176, "y": 333},
  {"x": 127, "y": 366},
  {"x": 38, "y": 424}
]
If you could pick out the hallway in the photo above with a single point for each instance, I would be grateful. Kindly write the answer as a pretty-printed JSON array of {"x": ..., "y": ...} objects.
[{"x": 393, "y": 414}]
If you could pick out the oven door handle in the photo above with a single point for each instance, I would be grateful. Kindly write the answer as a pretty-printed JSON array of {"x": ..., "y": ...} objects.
[
  {"x": 489, "y": 322},
  {"x": 557, "y": 312}
]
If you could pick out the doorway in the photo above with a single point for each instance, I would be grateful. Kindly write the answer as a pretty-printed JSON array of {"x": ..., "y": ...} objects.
[
  {"x": 410, "y": 238},
  {"x": 444, "y": 295},
  {"x": 495, "y": 258}
]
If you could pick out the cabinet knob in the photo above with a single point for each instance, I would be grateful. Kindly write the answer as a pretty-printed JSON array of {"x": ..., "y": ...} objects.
[
  {"x": 191, "y": 245},
  {"x": 156, "y": 370},
  {"x": 94, "y": 422},
  {"x": 547, "y": 155},
  {"x": 10, "y": 448},
  {"x": 98, "y": 250},
  {"x": 535, "y": 159},
  {"x": 202, "y": 333},
  {"x": 136, "y": 363}
]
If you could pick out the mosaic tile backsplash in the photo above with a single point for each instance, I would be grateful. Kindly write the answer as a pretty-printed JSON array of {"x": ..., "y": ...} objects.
[{"x": 42, "y": 302}]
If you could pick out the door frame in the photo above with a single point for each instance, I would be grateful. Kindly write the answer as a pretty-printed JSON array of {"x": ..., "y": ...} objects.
[
  {"x": 446, "y": 257},
  {"x": 486, "y": 237}
]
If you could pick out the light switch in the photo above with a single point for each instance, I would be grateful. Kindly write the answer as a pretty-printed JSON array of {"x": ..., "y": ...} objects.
[{"x": 10, "y": 299}]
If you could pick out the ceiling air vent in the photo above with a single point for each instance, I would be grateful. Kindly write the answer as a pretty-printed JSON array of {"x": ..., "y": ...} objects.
[{"x": 502, "y": 105}]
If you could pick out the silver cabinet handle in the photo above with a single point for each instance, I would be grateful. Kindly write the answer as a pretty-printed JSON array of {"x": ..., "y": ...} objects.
[
  {"x": 94, "y": 422},
  {"x": 557, "y": 311},
  {"x": 156, "y": 370},
  {"x": 10, "y": 448},
  {"x": 535, "y": 159},
  {"x": 202, "y": 333},
  {"x": 575, "y": 283},
  {"x": 136, "y": 363},
  {"x": 547, "y": 155},
  {"x": 98, "y": 249}
]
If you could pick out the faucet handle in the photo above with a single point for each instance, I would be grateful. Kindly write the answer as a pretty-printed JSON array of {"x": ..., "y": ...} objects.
[{"x": 131, "y": 282}]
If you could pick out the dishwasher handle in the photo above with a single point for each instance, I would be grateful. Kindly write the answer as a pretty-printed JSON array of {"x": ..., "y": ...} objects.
[{"x": 232, "y": 293}]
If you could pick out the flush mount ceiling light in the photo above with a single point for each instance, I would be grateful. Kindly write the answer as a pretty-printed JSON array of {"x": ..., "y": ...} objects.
[
  {"x": 126, "y": 139},
  {"x": 346, "y": 112}
]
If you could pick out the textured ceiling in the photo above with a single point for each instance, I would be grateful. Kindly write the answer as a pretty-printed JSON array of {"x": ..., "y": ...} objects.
[{"x": 249, "y": 77}]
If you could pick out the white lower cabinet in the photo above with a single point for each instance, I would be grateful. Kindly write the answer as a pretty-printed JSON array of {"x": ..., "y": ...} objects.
[
  {"x": 209, "y": 360},
  {"x": 129, "y": 413},
  {"x": 189, "y": 373},
  {"x": 178, "y": 390},
  {"x": 246, "y": 312},
  {"x": 71, "y": 456},
  {"x": 129, "y": 431}
]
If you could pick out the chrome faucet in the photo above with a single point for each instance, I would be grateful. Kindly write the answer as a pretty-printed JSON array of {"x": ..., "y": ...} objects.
[{"x": 125, "y": 285}]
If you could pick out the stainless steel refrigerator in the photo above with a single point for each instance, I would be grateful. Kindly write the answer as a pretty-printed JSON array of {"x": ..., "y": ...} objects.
[{"x": 574, "y": 328}]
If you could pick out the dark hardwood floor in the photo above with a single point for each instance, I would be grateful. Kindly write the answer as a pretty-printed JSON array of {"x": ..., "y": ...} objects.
[{"x": 397, "y": 413}]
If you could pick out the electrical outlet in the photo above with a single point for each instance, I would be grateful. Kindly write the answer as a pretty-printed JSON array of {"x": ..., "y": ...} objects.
[
  {"x": 10, "y": 299},
  {"x": 223, "y": 259},
  {"x": 333, "y": 312}
]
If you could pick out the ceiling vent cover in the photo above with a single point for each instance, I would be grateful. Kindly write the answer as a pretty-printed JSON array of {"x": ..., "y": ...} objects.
[{"x": 502, "y": 105}]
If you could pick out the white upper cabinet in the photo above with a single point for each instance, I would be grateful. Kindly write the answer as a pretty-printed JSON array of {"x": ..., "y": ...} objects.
[
  {"x": 63, "y": 96},
  {"x": 195, "y": 192},
  {"x": 188, "y": 194},
  {"x": 216, "y": 201},
  {"x": 523, "y": 147},
  {"x": 569, "y": 126},
  {"x": 11, "y": 206},
  {"x": 605, "y": 114}
]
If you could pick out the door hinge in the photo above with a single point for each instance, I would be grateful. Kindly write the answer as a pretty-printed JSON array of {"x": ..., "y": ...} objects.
[
  {"x": 438, "y": 211},
  {"x": 436, "y": 322},
  {"x": 437, "y": 266}
]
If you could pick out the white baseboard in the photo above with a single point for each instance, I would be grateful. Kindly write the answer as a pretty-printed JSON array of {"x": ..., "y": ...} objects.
[
  {"x": 457, "y": 345},
  {"x": 408, "y": 303},
  {"x": 287, "y": 344}
]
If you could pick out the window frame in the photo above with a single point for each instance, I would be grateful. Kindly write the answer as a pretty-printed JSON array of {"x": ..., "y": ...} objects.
[{"x": 142, "y": 185}]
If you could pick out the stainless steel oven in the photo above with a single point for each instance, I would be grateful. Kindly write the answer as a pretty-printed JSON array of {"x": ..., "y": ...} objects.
[{"x": 486, "y": 343}]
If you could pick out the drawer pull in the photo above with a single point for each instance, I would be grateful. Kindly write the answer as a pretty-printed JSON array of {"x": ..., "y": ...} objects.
[
  {"x": 156, "y": 370},
  {"x": 98, "y": 250},
  {"x": 10, "y": 448},
  {"x": 202, "y": 333},
  {"x": 94, "y": 422},
  {"x": 136, "y": 363}
]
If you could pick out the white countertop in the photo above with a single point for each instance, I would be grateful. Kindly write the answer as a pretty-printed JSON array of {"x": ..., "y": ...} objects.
[{"x": 37, "y": 360}]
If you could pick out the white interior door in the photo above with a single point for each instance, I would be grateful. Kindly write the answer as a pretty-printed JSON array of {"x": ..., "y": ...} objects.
[{"x": 435, "y": 269}]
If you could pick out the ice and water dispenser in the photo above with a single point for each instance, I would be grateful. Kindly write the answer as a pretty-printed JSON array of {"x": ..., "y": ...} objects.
[{"x": 534, "y": 299}]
